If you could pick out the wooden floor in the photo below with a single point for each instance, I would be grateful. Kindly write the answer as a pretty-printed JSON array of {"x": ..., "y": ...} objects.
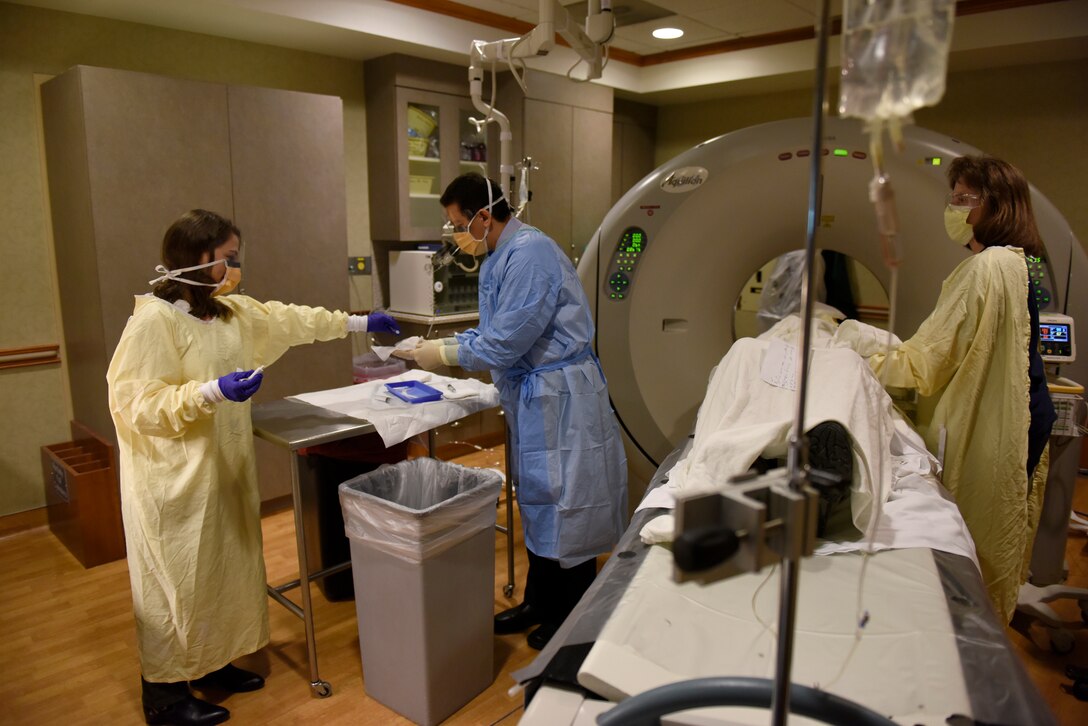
[
  {"x": 69, "y": 653},
  {"x": 69, "y": 646}
]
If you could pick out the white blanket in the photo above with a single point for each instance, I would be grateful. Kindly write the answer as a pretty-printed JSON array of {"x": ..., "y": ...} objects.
[
  {"x": 896, "y": 498},
  {"x": 397, "y": 420}
]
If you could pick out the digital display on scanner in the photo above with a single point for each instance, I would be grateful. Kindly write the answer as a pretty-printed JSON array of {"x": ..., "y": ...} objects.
[
  {"x": 1054, "y": 333},
  {"x": 635, "y": 242}
]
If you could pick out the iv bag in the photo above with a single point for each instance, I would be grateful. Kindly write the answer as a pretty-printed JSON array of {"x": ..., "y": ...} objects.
[{"x": 894, "y": 56}]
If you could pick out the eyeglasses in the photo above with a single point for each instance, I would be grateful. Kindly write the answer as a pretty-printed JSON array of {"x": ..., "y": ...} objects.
[{"x": 964, "y": 200}]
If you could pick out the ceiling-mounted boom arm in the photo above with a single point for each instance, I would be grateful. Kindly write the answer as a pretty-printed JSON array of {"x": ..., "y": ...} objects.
[{"x": 589, "y": 43}]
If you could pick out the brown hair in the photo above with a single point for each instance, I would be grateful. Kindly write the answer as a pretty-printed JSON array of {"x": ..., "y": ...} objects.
[
  {"x": 1007, "y": 217},
  {"x": 194, "y": 233}
]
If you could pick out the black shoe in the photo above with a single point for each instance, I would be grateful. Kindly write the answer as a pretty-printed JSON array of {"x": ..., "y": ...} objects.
[
  {"x": 516, "y": 619},
  {"x": 540, "y": 637},
  {"x": 229, "y": 679},
  {"x": 189, "y": 711},
  {"x": 830, "y": 450}
]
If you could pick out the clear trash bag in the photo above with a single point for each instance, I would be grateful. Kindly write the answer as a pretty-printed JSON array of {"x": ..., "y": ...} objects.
[{"x": 419, "y": 508}]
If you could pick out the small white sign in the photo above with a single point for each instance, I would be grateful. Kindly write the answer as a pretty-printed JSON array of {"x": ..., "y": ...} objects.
[{"x": 780, "y": 365}]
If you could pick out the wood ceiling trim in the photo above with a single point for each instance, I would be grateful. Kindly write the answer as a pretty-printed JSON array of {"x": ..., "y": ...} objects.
[{"x": 521, "y": 27}]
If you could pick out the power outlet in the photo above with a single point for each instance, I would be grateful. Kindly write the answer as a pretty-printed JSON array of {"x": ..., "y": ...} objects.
[{"x": 359, "y": 265}]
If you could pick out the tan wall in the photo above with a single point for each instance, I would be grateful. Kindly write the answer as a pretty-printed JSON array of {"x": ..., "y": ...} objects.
[
  {"x": 1035, "y": 117},
  {"x": 36, "y": 43}
]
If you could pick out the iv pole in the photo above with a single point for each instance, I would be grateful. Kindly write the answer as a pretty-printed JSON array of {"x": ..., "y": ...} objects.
[
  {"x": 646, "y": 709},
  {"x": 798, "y": 450}
]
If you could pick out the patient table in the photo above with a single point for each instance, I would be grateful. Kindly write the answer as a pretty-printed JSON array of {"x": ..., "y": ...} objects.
[{"x": 995, "y": 687}]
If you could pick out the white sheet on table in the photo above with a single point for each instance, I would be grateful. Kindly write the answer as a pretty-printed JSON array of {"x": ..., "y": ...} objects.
[
  {"x": 397, "y": 420},
  {"x": 906, "y": 664}
]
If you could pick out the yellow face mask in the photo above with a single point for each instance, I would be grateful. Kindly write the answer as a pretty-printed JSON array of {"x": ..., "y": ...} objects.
[
  {"x": 955, "y": 224},
  {"x": 469, "y": 244},
  {"x": 231, "y": 278},
  {"x": 464, "y": 239}
]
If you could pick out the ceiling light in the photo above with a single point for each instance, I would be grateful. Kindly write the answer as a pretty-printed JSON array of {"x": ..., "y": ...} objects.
[{"x": 668, "y": 33}]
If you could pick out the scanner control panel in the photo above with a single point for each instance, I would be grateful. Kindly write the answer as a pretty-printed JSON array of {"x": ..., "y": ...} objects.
[{"x": 625, "y": 259}]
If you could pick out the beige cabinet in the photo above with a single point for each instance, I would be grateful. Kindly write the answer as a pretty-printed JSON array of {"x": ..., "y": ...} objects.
[
  {"x": 128, "y": 153},
  {"x": 566, "y": 128}
]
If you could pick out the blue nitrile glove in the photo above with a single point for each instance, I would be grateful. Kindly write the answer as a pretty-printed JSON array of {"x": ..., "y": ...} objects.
[
  {"x": 379, "y": 322},
  {"x": 240, "y": 386}
]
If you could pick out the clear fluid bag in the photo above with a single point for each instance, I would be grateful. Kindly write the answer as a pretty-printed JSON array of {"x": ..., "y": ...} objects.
[{"x": 894, "y": 56}]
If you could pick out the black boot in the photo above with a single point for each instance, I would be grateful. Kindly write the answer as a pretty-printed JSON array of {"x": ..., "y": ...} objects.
[
  {"x": 830, "y": 450},
  {"x": 229, "y": 679},
  {"x": 171, "y": 703}
]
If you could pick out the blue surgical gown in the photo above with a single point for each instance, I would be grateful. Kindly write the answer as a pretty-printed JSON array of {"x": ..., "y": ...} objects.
[{"x": 535, "y": 337}]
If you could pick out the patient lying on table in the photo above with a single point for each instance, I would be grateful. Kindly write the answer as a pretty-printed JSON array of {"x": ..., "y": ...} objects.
[{"x": 895, "y": 498}]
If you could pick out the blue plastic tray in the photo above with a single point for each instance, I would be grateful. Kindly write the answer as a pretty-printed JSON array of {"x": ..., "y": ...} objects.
[{"x": 414, "y": 391}]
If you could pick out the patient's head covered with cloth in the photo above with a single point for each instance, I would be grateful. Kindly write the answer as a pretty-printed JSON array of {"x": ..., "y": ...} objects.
[{"x": 749, "y": 410}]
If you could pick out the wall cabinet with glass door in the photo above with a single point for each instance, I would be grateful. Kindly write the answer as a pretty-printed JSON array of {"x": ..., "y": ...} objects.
[
  {"x": 440, "y": 143},
  {"x": 419, "y": 138}
]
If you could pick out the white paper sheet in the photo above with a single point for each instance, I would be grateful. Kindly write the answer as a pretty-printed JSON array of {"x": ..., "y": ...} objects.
[{"x": 397, "y": 420}]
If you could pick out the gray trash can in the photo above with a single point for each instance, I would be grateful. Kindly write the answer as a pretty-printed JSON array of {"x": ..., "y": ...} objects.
[{"x": 423, "y": 557}]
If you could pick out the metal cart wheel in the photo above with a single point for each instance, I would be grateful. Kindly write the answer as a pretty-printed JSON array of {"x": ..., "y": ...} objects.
[
  {"x": 508, "y": 590},
  {"x": 321, "y": 689}
]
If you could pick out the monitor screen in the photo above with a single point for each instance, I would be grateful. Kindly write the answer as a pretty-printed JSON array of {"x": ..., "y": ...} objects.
[{"x": 1054, "y": 333}]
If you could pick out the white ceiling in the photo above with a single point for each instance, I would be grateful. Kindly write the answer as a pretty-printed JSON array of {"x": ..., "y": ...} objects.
[{"x": 362, "y": 29}]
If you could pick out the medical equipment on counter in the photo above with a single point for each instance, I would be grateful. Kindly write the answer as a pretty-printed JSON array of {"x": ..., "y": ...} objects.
[{"x": 418, "y": 287}]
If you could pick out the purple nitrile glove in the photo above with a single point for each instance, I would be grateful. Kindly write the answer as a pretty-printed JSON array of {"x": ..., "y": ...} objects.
[
  {"x": 379, "y": 322},
  {"x": 240, "y": 386}
]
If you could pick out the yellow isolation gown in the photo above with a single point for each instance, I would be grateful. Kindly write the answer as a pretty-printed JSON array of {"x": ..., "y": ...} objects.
[
  {"x": 971, "y": 354},
  {"x": 189, "y": 494}
]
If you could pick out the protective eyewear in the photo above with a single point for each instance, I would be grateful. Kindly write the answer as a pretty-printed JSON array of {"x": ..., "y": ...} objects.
[{"x": 963, "y": 200}]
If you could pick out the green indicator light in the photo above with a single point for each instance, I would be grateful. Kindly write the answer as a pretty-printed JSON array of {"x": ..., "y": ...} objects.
[
  {"x": 841, "y": 152},
  {"x": 935, "y": 161}
]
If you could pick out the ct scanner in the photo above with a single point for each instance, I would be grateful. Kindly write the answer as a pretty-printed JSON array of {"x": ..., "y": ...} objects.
[
  {"x": 664, "y": 273},
  {"x": 666, "y": 267}
]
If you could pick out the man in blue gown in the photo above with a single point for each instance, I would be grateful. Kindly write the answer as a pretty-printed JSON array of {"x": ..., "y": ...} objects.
[{"x": 534, "y": 335}]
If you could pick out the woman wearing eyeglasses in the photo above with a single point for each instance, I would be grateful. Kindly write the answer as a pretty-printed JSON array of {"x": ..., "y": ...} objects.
[{"x": 976, "y": 357}]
